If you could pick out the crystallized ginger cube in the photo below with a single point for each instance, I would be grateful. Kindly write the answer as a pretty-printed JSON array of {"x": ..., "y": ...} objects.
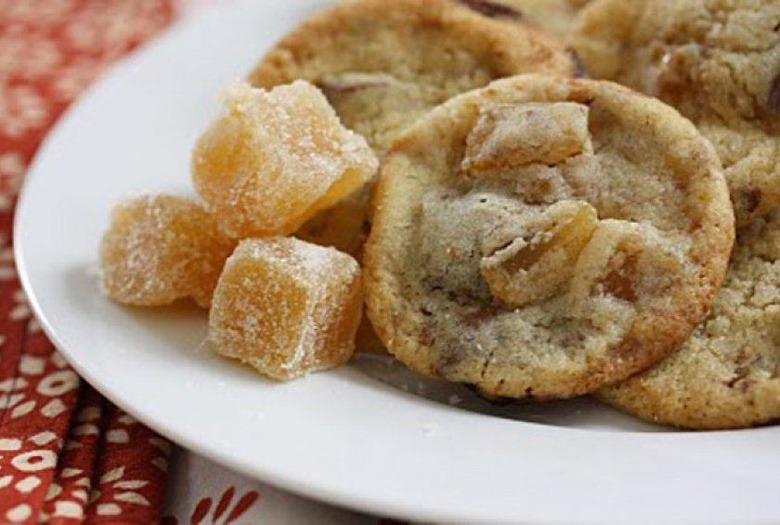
[
  {"x": 272, "y": 160},
  {"x": 626, "y": 260},
  {"x": 159, "y": 249},
  {"x": 287, "y": 307}
]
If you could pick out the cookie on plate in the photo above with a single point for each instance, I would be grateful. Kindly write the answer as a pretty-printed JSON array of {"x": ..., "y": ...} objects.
[
  {"x": 716, "y": 61},
  {"x": 727, "y": 375},
  {"x": 544, "y": 237},
  {"x": 383, "y": 64}
]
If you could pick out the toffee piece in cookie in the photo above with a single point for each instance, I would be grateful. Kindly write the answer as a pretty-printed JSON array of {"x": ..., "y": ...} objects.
[
  {"x": 544, "y": 237},
  {"x": 716, "y": 61},
  {"x": 727, "y": 375}
]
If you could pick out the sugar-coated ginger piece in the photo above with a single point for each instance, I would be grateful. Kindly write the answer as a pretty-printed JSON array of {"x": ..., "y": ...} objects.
[
  {"x": 159, "y": 249},
  {"x": 627, "y": 261},
  {"x": 538, "y": 264},
  {"x": 511, "y": 136},
  {"x": 273, "y": 159},
  {"x": 287, "y": 307}
]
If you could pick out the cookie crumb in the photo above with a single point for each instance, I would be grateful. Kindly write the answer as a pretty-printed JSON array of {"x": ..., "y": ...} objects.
[
  {"x": 454, "y": 400},
  {"x": 430, "y": 430}
]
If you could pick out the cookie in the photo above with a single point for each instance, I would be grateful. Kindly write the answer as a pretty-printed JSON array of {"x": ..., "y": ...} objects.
[
  {"x": 727, "y": 375},
  {"x": 544, "y": 237},
  {"x": 717, "y": 61},
  {"x": 384, "y": 64}
]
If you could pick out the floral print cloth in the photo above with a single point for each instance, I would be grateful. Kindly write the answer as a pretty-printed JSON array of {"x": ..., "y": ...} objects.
[{"x": 66, "y": 454}]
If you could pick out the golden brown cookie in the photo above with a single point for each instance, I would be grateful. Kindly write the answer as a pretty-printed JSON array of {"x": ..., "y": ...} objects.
[
  {"x": 543, "y": 237},
  {"x": 717, "y": 61},
  {"x": 727, "y": 375},
  {"x": 383, "y": 64}
]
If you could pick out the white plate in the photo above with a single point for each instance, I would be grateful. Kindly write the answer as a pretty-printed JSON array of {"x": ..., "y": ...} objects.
[{"x": 342, "y": 436}]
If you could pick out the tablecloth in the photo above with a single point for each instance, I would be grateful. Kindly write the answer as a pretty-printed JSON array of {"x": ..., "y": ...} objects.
[{"x": 68, "y": 455}]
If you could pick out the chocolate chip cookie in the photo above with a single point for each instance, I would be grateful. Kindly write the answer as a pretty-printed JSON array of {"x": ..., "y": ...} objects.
[
  {"x": 544, "y": 237},
  {"x": 727, "y": 375},
  {"x": 717, "y": 61}
]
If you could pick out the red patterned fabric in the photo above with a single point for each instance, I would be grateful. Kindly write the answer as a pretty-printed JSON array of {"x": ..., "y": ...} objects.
[{"x": 66, "y": 454}]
